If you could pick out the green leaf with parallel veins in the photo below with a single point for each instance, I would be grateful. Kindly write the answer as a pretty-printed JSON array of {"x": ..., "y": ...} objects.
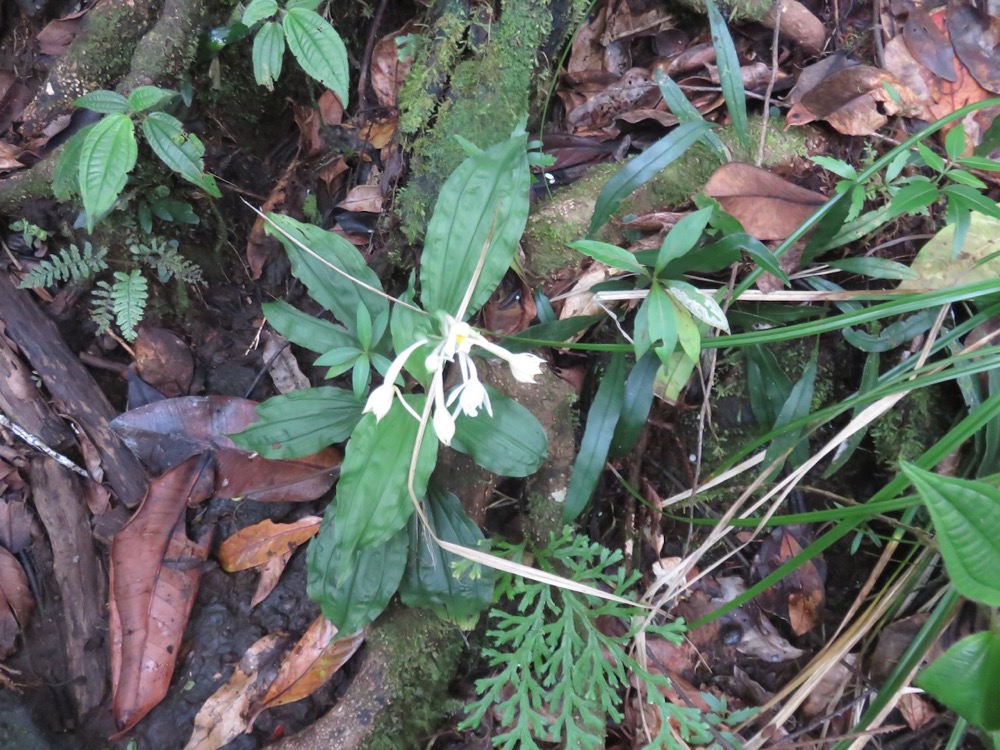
[
  {"x": 730, "y": 74},
  {"x": 179, "y": 150},
  {"x": 352, "y": 586},
  {"x": 658, "y": 320},
  {"x": 407, "y": 326},
  {"x": 301, "y": 423},
  {"x": 268, "y": 53},
  {"x": 107, "y": 156},
  {"x": 336, "y": 291},
  {"x": 702, "y": 306},
  {"x": 319, "y": 49},
  {"x": 142, "y": 98},
  {"x": 913, "y": 197},
  {"x": 597, "y": 436},
  {"x": 966, "y": 517},
  {"x": 484, "y": 200},
  {"x": 966, "y": 678},
  {"x": 372, "y": 498},
  {"x": 66, "y": 176},
  {"x": 688, "y": 334},
  {"x": 637, "y": 400},
  {"x": 610, "y": 255},
  {"x": 682, "y": 238},
  {"x": 511, "y": 443},
  {"x": 430, "y": 579},
  {"x": 105, "y": 102},
  {"x": 300, "y": 328}
]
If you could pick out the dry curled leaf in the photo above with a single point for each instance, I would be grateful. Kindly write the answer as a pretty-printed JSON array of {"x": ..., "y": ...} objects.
[
  {"x": 255, "y": 545},
  {"x": 856, "y": 100}
]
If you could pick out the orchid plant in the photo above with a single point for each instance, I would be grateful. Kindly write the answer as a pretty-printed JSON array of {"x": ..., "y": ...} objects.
[{"x": 392, "y": 526}]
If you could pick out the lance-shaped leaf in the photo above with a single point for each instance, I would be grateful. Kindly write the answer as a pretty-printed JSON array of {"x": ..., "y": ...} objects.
[
  {"x": 319, "y": 49},
  {"x": 183, "y": 152},
  {"x": 107, "y": 156},
  {"x": 966, "y": 678},
  {"x": 484, "y": 201},
  {"x": 268, "y": 53},
  {"x": 306, "y": 330},
  {"x": 511, "y": 443}
]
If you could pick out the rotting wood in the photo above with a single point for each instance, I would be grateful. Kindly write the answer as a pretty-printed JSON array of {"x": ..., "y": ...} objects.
[{"x": 69, "y": 383}]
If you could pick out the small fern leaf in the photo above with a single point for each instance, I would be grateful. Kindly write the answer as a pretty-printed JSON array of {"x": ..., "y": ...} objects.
[
  {"x": 100, "y": 306},
  {"x": 128, "y": 301},
  {"x": 68, "y": 264}
]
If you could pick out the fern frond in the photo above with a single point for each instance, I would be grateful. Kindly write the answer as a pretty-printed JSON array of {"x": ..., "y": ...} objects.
[
  {"x": 125, "y": 299},
  {"x": 68, "y": 264},
  {"x": 167, "y": 261}
]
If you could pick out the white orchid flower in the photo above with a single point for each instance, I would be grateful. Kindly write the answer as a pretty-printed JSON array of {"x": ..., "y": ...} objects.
[{"x": 471, "y": 395}]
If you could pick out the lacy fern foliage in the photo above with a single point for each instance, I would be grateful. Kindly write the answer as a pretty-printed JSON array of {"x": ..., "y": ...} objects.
[
  {"x": 164, "y": 258},
  {"x": 69, "y": 264},
  {"x": 560, "y": 678},
  {"x": 123, "y": 302}
]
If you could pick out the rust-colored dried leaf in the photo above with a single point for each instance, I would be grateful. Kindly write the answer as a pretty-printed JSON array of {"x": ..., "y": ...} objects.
[
  {"x": 164, "y": 361},
  {"x": 284, "y": 369},
  {"x": 387, "y": 70},
  {"x": 928, "y": 44},
  {"x": 166, "y": 433},
  {"x": 769, "y": 207},
  {"x": 16, "y": 602},
  {"x": 799, "y": 596},
  {"x": 154, "y": 574},
  {"x": 363, "y": 198},
  {"x": 975, "y": 35},
  {"x": 225, "y": 715},
  {"x": 270, "y": 574},
  {"x": 255, "y": 545},
  {"x": 854, "y": 100},
  {"x": 317, "y": 656}
]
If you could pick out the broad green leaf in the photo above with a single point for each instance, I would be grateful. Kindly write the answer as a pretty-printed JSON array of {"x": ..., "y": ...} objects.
[
  {"x": 485, "y": 200},
  {"x": 179, "y": 150},
  {"x": 406, "y": 327},
  {"x": 795, "y": 407},
  {"x": 966, "y": 678},
  {"x": 837, "y": 166},
  {"x": 142, "y": 98},
  {"x": 107, "y": 156},
  {"x": 913, "y": 197},
  {"x": 361, "y": 375},
  {"x": 610, "y": 255},
  {"x": 682, "y": 238},
  {"x": 702, "y": 306},
  {"x": 672, "y": 378},
  {"x": 981, "y": 163},
  {"x": 351, "y": 586},
  {"x": 339, "y": 360},
  {"x": 931, "y": 159},
  {"x": 682, "y": 108},
  {"x": 877, "y": 268},
  {"x": 332, "y": 289},
  {"x": 938, "y": 267},
  {"x": 730, "y": 73},
  {"x": 305, "y": 330},
  {"x": 372, "y": 498},
  {"x": 597, "y": 436},
  {"x": 972, "y": 199},
  {"x": 268, "y": 53},
  {"x": 319, "y": 49},
  {"x": 301, "y": 423},
  {"x": 105, "y": 102},
  {"x": 258, "y": 10},
  {"x": 967, "y": 178},
  {"x": 641, "y": 169},
  {"x": 656, "y": 322},
  {"x": 637, "y": 400},
  {"x": 954, "y": 142},
  {"x": 364, "y": 328},
  {"x": 966, "y": 517},
  {"x": 430, "y": 579},
  {"x": 688, "y": 335},
  {"x": 66, "y": 175},
  {"x": 511, "y": 443}
]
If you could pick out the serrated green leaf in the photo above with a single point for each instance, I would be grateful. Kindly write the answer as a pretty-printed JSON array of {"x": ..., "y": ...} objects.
[
  {"x": 430, "y": 579},
  {"x": 931, "y": 159},
  {"x": 484, "y": 200},
  {"x": 682, "y": 238},
  {"x": 967, "y": 178},
  {"x": 972, "y": 199},
  {"x": 66, "y": 176},
  {"x": 511, "y": 443},
  {"x": 913, "y": 197},
  {"x": 966, "y": 516},
  {"x": 610, "y": 255},
  {"x": 179, "y": 150},
  {"x": 268, "y": 53},
  {"x": 107, "y": 156},
  {"x": 954, "y": 142},
  {"x": 336, "y": 292},
  {"x": 142, "y": 98},
  {"x": 637, "y": 401},
  {"x": 105, "y": 102},
  {"x": 305, "y": 330},
  {"x": 301, "y": 423},
  {"x": 643, "y": 167},
  {"x": 319, "y": 49},
  {"x": 129, "y": 295},
  {"x": 702, "y": 306},
  {"x": 837, "y": 166},
  {"x": 980, "y": 162},
  {"x": 597, "y": 436},
  {"x": 966, "y": 678},
  {"x": 372, "y": 498},
  {"x": 258, "y": 10},
  {"x": 352, "y": 586}
]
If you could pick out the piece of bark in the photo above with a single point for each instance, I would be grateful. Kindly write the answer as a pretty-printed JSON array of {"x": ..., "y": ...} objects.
[
  {"x": 59, "y": 500},
  {"x": 69, "y": 383},
  {"x": 24, "y": 403}
]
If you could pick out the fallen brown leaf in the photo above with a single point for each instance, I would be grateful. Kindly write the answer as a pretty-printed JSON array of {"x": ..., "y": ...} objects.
[
  {"x": 854, "y": 101},
  {"x": 257, "y": 544},
  {"x": 387, "y": 70},
  {"x": 16, "y": 602},
  {"x": 164, "y": 361},
  {"x": 975, "y": 35}
]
